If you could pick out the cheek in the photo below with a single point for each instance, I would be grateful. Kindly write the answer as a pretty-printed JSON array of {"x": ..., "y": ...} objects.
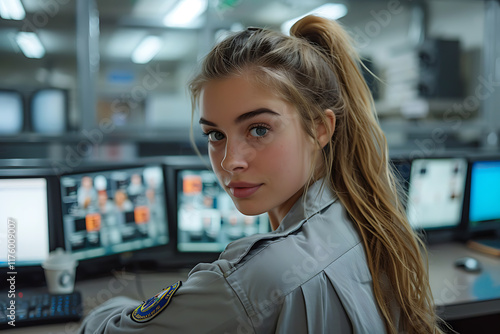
[
  {"x": 215, "y": 159},
  {"x": 300, "y": 160},
  {"x": 287, "y": 159}
]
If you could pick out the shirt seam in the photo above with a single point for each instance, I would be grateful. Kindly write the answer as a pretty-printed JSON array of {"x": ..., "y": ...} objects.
[
  {"x": 319, "y": 272},
  {"x": 241, "y": 302}
]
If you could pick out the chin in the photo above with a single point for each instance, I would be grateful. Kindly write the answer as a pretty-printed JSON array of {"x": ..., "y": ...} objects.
[{"x": 249, "y": 210}]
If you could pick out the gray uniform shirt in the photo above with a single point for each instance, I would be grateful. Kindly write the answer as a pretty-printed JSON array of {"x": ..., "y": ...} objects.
[{"x": 308, "y": 276}]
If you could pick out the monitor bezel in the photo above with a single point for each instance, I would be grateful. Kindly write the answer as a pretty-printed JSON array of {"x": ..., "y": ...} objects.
[
  {"x": 30, "y": 111},
  {"x": 144, "y": 258},
  {"x": 484, "y": 229},
  {"x": 174, "y": 165},
  {"x": 33, "y": 275},
  {"x": 393, "y": 161},
  {"x": 24, "y": 111},
  {"x": 435, "y": 235}
]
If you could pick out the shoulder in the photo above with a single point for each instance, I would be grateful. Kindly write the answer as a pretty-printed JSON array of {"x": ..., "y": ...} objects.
[
  {"x": 312, "y": 244},
  {"x": 287, "y": 259},
  {"x": 306, "y": 259}
]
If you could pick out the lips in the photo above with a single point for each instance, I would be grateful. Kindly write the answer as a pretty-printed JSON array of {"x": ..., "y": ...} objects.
[{"x": 243, "y": 189}]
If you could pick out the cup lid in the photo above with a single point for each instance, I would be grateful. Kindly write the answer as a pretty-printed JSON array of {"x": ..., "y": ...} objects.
[{"x": 59, "y": 259}]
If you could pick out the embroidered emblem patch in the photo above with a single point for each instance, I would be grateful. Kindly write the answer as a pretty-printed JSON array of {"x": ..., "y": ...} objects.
[{"x": 154, "y": 305}]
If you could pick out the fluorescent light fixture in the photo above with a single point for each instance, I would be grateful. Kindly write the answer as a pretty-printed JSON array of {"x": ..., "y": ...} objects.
[
  {"x": 146, "y": 50},
  {"x": 30, "y": 44},
  {"x": 12, "y": 10},
  {"x": 186, "y": 14},
  {"x": 331, "y": 11}
]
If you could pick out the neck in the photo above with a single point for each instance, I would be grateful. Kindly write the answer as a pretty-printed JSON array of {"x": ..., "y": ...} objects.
[
  {"x": 273, "y": 220},
  {"x": 277, "y": 214}
]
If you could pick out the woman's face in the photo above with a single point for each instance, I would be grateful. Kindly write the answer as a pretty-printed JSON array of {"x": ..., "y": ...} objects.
[{"x": 257, "y": 147}]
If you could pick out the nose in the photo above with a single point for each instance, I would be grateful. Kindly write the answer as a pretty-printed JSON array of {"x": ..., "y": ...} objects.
[{"x": 235, "y": 156}]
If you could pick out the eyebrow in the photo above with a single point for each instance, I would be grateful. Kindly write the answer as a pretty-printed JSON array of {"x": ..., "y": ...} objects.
[{"x": 243, "y": 117}]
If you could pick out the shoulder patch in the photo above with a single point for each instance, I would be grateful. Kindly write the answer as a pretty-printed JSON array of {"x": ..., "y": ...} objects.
[{"x": 154, "y": 305}]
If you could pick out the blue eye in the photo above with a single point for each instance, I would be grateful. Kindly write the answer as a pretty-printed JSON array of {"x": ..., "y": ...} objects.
[
  {"x": 259, "y": 131},
  {"x": 215, "y": 136}
]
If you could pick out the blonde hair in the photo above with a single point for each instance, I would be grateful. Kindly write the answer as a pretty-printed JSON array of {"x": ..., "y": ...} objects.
[{"x": 316, "y": 69}]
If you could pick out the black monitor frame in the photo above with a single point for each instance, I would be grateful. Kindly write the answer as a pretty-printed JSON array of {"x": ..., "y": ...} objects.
[
  {"x": 174, "y": 165},
  {"x": 24, "y": 111},
  {"x": 139, "y": 259},
  {"x": 483, "y": 229},
  {"x": 30, "y": 111},
  {"x": 396, "y": 164},
  {"x": 33, "y": 275},
  {"x": 441, "y": 234}
]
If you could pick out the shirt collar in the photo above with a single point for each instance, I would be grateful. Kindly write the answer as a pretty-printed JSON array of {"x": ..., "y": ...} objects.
[{"x": 318, "y": 196}]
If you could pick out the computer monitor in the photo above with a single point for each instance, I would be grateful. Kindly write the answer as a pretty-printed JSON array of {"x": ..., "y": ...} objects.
[
  {"x": 24, "y": 216},
  {"x": 49, "y": 111},
  {"x": 11, "y": 112},
  {"x": 436, "y": 193},
  {"x": 484, "y": 199},
  {"x": 114, "y": 211},
  {"x": 206, "y": 218},
  {"x": 402, "y": 168}
]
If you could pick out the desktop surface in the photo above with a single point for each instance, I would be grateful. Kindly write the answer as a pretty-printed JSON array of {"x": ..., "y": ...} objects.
[
  {"x": 458, "y": 294},
  {"x": 98, "y": 290}
]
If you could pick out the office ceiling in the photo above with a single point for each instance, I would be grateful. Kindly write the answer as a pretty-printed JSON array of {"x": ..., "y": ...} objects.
[{"x": 123, "y": 23}]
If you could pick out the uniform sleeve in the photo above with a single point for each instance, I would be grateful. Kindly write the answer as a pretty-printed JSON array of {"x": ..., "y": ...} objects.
[{"x": 205, "y": 303}]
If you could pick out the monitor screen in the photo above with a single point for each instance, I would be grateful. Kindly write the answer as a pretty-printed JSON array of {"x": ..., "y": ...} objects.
[
  {"x": 24, "y": 220},
  {"x": 401, "y": 168},
  {"x": 484, "y": 205},
  {"x": 436, "y": 192},
  {"x": 49, "y": 111},
  {"x": 207, "y": 218},
  {"x": 114, "y": 211},
  {"x": 11, "y": 112}
]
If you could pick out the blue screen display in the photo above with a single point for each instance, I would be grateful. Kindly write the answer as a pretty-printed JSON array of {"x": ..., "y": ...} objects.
[{"x": 485, "y": 191}]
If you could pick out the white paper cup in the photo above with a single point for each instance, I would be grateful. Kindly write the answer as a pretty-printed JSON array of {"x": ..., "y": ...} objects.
[{"x": 59, "y": 271}]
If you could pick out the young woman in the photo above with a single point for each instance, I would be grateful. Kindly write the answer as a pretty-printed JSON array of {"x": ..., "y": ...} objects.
[{"x": 292, "y": 132}]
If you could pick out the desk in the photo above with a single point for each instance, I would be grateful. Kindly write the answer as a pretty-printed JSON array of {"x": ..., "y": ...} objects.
[
  {"x": 97, "y": 291},
  {"x": 458, "y": 294}
]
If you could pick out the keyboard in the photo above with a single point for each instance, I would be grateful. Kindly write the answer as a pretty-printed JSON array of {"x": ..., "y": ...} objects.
[{"x": 40, "y": 309}]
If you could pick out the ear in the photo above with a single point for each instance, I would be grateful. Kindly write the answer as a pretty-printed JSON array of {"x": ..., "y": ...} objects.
[{"x": 324, "y": 131}]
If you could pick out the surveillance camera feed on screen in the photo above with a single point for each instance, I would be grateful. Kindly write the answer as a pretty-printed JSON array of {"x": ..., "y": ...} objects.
[
  {"x": 114, "y": 211},
  {"x": 207, "y": 217},
  {"x": 484, "y": 204},
  {"x": 436, "y": 192}
]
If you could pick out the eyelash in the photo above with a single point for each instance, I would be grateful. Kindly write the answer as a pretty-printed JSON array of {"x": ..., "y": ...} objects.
[
  {"x": 260, "y": 126},
  {"x": 252, "y": 127},
  {"x": 207, "y": 135}
]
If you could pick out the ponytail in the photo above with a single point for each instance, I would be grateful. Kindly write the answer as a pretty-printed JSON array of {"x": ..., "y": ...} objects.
[
  {"x": 358, "y": 164},
  {"x": 317, "y": 69}
]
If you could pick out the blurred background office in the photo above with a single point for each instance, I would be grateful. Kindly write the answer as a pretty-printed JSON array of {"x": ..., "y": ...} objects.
[
  {"x": 95, "y": 121},
  {"x": 106, "y": 79}
]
